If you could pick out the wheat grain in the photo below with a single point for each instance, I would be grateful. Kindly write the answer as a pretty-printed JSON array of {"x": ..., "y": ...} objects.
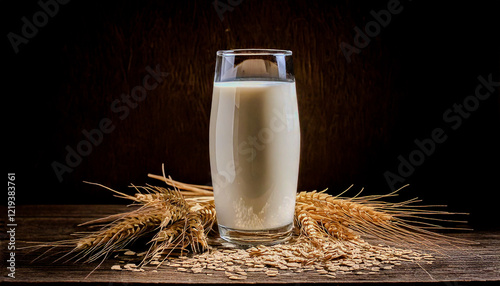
[{"x": 196, "y": 232}]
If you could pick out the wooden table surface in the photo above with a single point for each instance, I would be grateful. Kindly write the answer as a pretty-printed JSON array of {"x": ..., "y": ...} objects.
[{"x": 471, "y": 265}]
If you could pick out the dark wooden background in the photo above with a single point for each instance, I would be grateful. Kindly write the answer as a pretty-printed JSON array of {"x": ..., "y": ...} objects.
[{"x": 356, "y": 118}]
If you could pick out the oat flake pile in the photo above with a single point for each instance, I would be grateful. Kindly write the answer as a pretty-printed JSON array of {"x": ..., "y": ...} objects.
[{"x": 334, "y": 258}]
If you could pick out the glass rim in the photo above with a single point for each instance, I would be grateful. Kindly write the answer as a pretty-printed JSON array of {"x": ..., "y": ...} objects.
[{"x": 254, "y": 52}]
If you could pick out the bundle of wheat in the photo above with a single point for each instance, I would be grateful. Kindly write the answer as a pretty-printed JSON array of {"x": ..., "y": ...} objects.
[{"x": 182, "y": 216}]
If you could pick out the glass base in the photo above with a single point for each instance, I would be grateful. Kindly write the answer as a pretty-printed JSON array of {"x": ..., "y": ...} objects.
[{"x": 256, "y": 237}]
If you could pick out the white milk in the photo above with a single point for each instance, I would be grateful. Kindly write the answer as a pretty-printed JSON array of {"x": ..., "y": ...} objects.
[{"x": 254, "y": 153}]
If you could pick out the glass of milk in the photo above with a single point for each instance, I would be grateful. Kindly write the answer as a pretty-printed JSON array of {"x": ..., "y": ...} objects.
[{"x": 254, "y": 145}]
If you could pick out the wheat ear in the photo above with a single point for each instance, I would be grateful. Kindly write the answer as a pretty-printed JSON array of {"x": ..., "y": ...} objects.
[{"x": 400, "y": 222}]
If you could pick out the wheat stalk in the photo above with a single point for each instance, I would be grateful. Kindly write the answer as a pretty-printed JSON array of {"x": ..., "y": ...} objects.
[
  {"x": 119, "y": 233},
  {"x": 347, "y": 218}
]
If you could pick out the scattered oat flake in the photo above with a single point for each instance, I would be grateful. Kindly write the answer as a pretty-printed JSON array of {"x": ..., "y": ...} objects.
[
  {"x": 328, "y": 259},
  {"x": 237, "y": 277}
]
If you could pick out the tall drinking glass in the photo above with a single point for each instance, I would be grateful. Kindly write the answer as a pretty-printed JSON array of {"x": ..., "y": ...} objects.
[{"x": 254, "y": 145}]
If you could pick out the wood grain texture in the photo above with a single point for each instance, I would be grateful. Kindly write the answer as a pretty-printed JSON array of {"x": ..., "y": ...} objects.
[
  {"x": 471, "y": 265},
  {"x": 347, "y": 110}
]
